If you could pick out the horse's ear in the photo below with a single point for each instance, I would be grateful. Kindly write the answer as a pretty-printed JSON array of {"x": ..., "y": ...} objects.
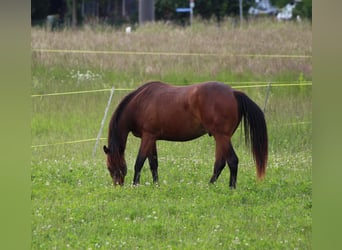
[{"x": 105, "y": 149}]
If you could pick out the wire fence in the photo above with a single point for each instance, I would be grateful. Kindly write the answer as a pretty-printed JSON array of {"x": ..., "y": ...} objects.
[
  {"x": 247, "y": 85},
  {"x": 105, "y": 138},
  {"x": 163, "y": 53}
]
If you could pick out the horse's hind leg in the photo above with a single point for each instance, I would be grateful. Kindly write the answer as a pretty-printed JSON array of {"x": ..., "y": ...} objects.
[
  {"x": 232, "y": 161},
  {"x": 218, "y": 167},
  {"x": 220, "y": 156},
  {"x": 153, "y": 160},
  {"x": 225, "y": 153}
]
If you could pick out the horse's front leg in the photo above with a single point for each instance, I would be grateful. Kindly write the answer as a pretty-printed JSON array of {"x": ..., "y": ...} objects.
[
  {"x": 147, "y": 149},
  {"x": 139, "y": 163}
]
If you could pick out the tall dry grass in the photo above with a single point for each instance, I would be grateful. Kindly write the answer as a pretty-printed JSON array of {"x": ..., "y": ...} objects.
[{"x": 262, "y": 37}]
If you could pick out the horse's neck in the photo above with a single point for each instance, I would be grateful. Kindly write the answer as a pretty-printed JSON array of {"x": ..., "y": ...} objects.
[{"x": 119, "y": 138}]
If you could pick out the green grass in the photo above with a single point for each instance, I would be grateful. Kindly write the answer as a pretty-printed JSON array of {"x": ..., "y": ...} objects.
[{"x": 74, "y": 204}]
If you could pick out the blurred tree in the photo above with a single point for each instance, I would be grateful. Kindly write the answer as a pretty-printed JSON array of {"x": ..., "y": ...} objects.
[
  {"x": 303, "y": 9},
  {"x": 206, "y": 9},
  {"x": 39, "y": 9},
  {"x": 164, "y": 9}
]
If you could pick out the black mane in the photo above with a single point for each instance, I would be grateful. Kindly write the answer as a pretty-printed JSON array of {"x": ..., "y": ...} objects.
[{"x": 113, "y": 133}]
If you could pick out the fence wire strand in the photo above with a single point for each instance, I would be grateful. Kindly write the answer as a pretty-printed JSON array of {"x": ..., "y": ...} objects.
[
  {"x": 163, "y": 53},
  {"x": 255, "y": 85}
]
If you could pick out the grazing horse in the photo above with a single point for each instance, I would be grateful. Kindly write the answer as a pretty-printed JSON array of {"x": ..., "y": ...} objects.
[{"x": 159, "y": 111}]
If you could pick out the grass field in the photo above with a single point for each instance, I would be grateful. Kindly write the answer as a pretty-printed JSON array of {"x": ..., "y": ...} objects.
[{"x": 74, "y": 204}]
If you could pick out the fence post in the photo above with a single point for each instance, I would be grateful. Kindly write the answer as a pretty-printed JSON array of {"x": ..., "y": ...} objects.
[
  {"x": 103, "y": 121},
  {"x": 267, "y": 95}
]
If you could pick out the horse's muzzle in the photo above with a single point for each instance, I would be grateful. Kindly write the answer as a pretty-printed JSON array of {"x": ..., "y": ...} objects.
[{"x": 120, "y": 180}]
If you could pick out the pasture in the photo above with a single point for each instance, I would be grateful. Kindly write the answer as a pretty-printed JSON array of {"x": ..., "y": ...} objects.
[{"x": 74, "y": 204}]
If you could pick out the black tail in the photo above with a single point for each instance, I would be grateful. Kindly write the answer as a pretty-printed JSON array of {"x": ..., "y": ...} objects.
[{"x": 255, "y": 130}]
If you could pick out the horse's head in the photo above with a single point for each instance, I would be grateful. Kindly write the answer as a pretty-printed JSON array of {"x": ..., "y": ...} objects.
[{"x": 116, "y": 165}]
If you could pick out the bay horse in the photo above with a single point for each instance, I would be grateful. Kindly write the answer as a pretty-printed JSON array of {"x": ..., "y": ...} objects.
[{"x": 159, "y": 111}]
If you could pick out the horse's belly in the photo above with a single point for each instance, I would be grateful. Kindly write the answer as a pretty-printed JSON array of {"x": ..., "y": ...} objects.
[
  {"x": 181, "y": 134},
  {"x": 179, "y": 138}
]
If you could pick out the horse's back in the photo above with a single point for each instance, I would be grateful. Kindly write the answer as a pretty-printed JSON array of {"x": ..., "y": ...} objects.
[
  {"x": 183, "y": 112},
  {"x": 163, "y": 110}
]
